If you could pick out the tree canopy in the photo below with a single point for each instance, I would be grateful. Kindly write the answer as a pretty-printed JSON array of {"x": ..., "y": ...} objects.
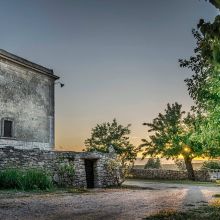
[
  {"x": 111, "y": 134},
  {"x": 216, "y": 3},
  {"x": 171, "y": 136},
  {"x": 198, "y": 133},
  {"x": 204, "y": 85}
]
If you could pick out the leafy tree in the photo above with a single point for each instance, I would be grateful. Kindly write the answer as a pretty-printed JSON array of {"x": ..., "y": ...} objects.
[
  {"x": 107, "y": 135},
  {"x": 197, "y": 84},
  {"x": 204, "y": 85},
  {"x": 153, "y": 163},
  {"x": 171, "y": 137},
  {"x": 216, "y": 3}
]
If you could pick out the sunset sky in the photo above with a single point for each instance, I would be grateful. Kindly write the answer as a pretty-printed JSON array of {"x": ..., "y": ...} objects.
[{"x": 117, "y": 58}]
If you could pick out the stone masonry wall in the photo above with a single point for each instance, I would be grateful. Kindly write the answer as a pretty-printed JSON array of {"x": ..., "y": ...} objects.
[
  {"x": 201, "y": 175},
  {"x": 53, "y": 160}
]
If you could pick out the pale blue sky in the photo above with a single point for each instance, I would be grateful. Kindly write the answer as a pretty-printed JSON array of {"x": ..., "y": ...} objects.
[{"x": 117, "y": 58}]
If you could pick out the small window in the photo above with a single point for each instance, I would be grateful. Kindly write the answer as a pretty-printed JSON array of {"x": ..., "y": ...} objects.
[{"x": 8, "y": 126}]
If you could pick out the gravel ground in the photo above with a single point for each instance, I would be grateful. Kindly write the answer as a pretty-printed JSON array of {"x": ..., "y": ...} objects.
[{"x": 100, "y": 204}]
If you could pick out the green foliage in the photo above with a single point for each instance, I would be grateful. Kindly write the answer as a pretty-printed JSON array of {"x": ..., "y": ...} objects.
[
  {"x": 66, "y": 173},
  {"x": 202, "y": 68},
  {"x": 171, "y": 132},
  {"x": 171, "y": 137},
  {"x": 164, "y": 214},
  {"x": 36, "y": 179},
  {"x": 31, "y": 179},
  {"x": 153, "y": 163},
  {"x": 11, "y": 179},
  {"x": 213, "y": 165},
  {"x": 202, "y": 213},
  {"x": 204, "y": 85},
  {"x": 114, "y": 135},
  {"x": 116, "y": 171},
  {"x": 66, "y": 169},
  {"x": 216, "y": 3}
]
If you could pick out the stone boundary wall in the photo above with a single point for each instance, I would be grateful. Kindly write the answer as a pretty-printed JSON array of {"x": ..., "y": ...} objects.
[
  {"x": 214, "y": 173},
  {"x": 160, "y": 174},
  {"x": 51, "y": 161}
]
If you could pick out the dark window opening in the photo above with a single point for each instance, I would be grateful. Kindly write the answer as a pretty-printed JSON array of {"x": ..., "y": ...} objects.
[
  {"x": 89, "y": 167},
  {"x": 8, "y": 125}
]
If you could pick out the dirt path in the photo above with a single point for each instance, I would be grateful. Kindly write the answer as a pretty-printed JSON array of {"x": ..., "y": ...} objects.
[{"x": 105, "y": 204}]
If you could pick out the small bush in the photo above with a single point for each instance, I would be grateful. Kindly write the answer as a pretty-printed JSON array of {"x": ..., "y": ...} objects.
[
  {"x": 67, "y": 169},
  {"x": 153, "y": 163},
  {"x": 116, "y": 171},
  {"x": 66, "y": 174},
  {"x": 32, "y": 179},
  {"x": 36, "y": 179},
  {"x": 11, "y": 179},
  {"x": 213, "y": 165}
]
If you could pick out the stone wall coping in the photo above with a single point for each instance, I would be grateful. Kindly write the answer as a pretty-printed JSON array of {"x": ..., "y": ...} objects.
[{"x": 70, "y": 154}]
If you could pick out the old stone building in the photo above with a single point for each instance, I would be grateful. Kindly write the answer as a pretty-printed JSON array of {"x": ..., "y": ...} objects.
[
  {"x": 26, "y": 103},
  {"x": 27, "y": 127}
]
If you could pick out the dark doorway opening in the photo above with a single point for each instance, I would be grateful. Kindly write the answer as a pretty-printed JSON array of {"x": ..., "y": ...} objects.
[{"x": 89, "y": 167}]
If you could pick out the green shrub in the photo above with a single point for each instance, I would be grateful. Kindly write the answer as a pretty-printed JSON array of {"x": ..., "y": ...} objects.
[
  {"x": 31, "y": 179},
  {"x": 11, "y": 179},
  {"x": 213, "y": 165},
  {"x": 66, "y": 174},
  {"x": 67, "y": 169},
  {"x": 116, "y": 171},
  {"x": 153, "y": 163},
  {"x": 36, "y": 179}
]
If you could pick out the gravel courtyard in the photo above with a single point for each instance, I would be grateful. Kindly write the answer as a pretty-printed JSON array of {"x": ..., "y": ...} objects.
[{"x": 105, "y": 203}]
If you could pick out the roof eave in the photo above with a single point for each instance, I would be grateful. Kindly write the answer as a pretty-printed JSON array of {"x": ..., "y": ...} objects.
[{"x": 20, "y": 61}]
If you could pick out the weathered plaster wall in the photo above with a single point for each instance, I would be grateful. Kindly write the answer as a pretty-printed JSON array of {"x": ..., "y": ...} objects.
[
  {"x": 27, "y": 97},
  {"x": 52, "y": 160}
]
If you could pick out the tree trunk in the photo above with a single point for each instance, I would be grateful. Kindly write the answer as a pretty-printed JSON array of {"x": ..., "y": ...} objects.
[{"x": 189, "y": 168}]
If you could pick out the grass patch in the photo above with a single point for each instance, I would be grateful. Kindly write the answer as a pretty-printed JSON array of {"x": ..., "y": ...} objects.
[
  {"x": 211, "y": 212},
  {"x": 216, "y": 195},
  {"x": 8, "y": 194},
  {"x": 217, "y": 182},
  {"x": 16, "y": 193},
  {"x": 31, "y": 179},
  {"x": 187, "y": 182},
  {"x": 77, "y": 190},
  {"x": 135, "y": 187},
  {"x": 215, "y": 203}
]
